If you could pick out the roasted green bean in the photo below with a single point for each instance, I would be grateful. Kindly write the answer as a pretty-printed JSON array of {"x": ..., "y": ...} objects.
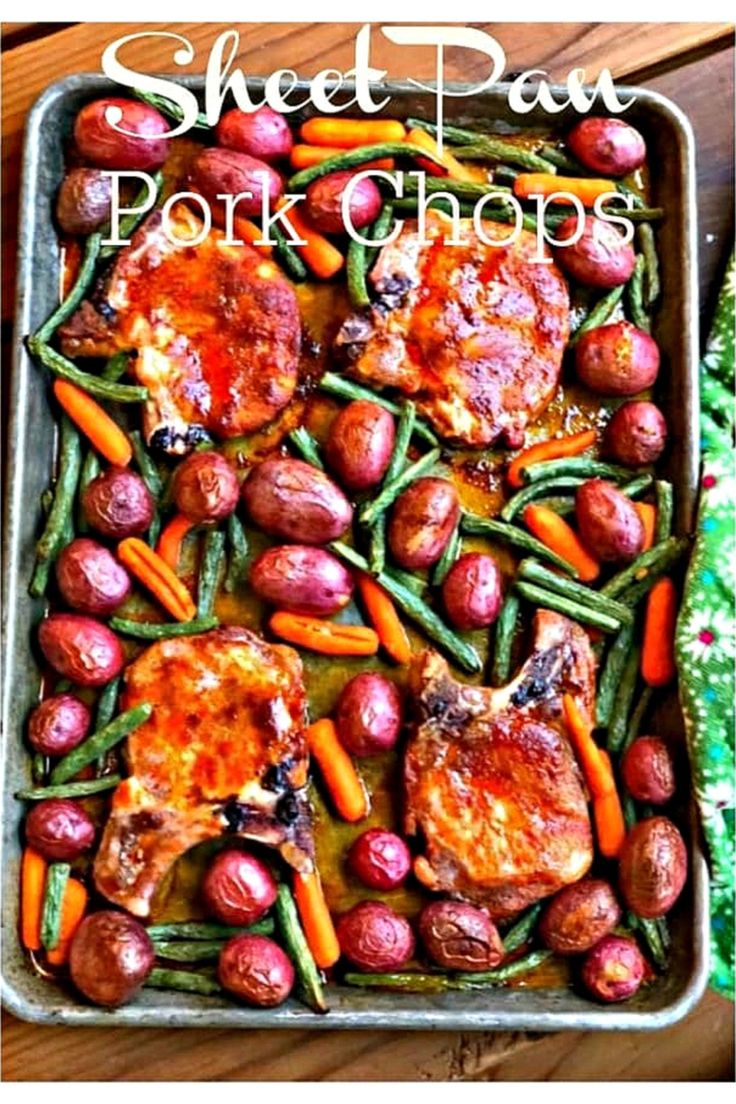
[
  {"x": 599, "y": 315},
  {"x": 504, "y": 639},
  {"x": 57, "y": 876},
  {"x": 71, "y": 789},
  {"x": 610, "y": 677},
  {"x": 164, "y": 630},
  {"x": 93, "y": 385},
  {"x": 205, "y": 930},
  {"x": 578, "y": 612},
  {"x": 635, "y": 296},
  {"x": 213, "y": 555},
  {"x": 346, "y": 389},
  {"x": 536, "y": 573},
  {"x": 306, "y": 446},
  {"x": 238, "y": 543},
  {"x": 521, "y": 931},
  {"x": 510, "y": 534},
  {"x": 299, "y": 952},
  {"x": 623, "y": 699},
  {"x": 391, "y": 491},
  {"x": 184, "y": 981},
  {"x": 77, "y": 293},
  {"x": 352, "y": 158},
  {"x": 95, "y": 746}
]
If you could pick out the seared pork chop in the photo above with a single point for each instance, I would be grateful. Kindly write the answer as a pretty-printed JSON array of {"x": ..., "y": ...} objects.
[
  {"x": 223, "y": 751},
  {"x": 473, "y": 332},
  {"x": 491, "y": 783},
  {"x": 216, "y": 330}
]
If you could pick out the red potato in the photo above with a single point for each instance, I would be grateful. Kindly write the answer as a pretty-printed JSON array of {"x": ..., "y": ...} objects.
[
  {"x": 636, "y": 434},
  {"x": 238, "y": 888},
  {"x": 84, "y": 201},
  {"x": 301, "y": 579},
  {"x": 58, "y": 724},
  {"x": 360, "y": 444},
  {"x": 460, "y": 937},
  {"x": 225, "y": 172},
  {"x": 648, "y": 770},
  {"x": 599, "y": 258},
  {"x": 90, "y": 579},
  {"x": 206, "y": 488},
  {"x": 608, "y": 522},
  {"x": 111, "y": 956},
  {"x": 472, "y": 591},
  {"x": 294, "y": 501},
  {"x": 579, "y": 916},
  {"x": 81, "y": 649},
  {"x": 117, "y": 503},
  {"x": 256, "y": 970},
  {"x": 323, "y": 203},
  {"x": 610, "y": 147},
  {"x": 100, "y": 143},
  {"x": 369, "y": 714},
  {"x": 262, "y": 133},
  {"x": 374, "y": 937},
  {"x": 380, "y": 859},
  {"x": 422, "y": 522},
  {"x": 617, "y": 359},
  {"x": 652, "y": 867},
  {"x": 614, "y": 969},
  {"x": 59, "y": 829}
]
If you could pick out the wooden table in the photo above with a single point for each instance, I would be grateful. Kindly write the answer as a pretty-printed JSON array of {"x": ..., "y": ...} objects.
[{"x": 693, "y": 64}]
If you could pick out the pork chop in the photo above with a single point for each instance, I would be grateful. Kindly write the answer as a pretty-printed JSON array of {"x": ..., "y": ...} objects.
[
  {"x": 473, "y": 332},
  {"x": 491, "y": 784},
  {"x": 223, "y": 751},
  {"x": 216, "y": 330}
]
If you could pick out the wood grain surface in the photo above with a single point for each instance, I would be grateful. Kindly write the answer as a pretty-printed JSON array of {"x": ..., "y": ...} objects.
[{"x": 691, "y": 63}]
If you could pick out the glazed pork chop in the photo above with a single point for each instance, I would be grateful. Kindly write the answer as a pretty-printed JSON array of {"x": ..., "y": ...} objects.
[
  {"x": 491, "y": 783},
  {"x": 223, "y": 751},
  {"x": 216, "y": 330},
  {"x": 473, "y": 332}
]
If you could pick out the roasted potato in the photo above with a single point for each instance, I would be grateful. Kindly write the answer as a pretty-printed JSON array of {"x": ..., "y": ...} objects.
[
  {"x": 579, "y": 916},
  {"x": 90, "y": 579},
  {"x": 608, "y": 522},
  {"x": 599, "y": 258},
  {"x": 59, "y": 829},
  {"x": 368, "y": 715},
  {"x": 206, "y": 488},
  {"x": 422, "y": 521},
  {"x": 652, "y": 867},
  {"x": 84, "y": 201},
  {"x": 117, "y": 503},
  {"x": 111, "y": 956},
  {"x": 458, "y": 936},
  {"x": 143, "y": 147},
  {"x": 614, "y": 969},
  {"x": 256, "y": 970},
  {"x": 648, "y": 770},
  {"x": 58, "y": 724},
  {"x": 81, "y": 649},
  {"x": 323, "y": 203},
  {"x": 610, "y": 147},
  {"x": 294, "y": 501},
  {"x": 217, "y": 172},
  {"x": 380, "y": 859},
  {"x": 302, "y": 579},
  {"x": 262, "y": 133},
  {"x": 636, "y": 434},
  {"x": 472, "y": 591},
  {"x": 238, "y": 888},
  {"x": 617, "y": 359},
  {"x": 374, "y": 937},
  {"x": 360, "y": 444}
]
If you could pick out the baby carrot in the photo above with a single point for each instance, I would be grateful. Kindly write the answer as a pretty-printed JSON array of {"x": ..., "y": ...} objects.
[
  {"x": 549, "y": 450},
  {"x": 32, "y": 885},
  {"x": 105, "y": 434},
  {"x": 351, "y": 133},
  {"x": 341, "y": 778},
  {"x": 384, "y": 618},
  {"x": 156, "y": 575},
  {"x": 648, "y": 514},
  {"x": 303, "y": 157},
  {"x": 316, "y": 920},
  {"x": 554, "y": 532},
  {"x": 172, "y": 537},
  {"x": 596, "y": 769},
  {"x": 610, "y": 828},
  {"x": 327, "y": 637},
  {"x": 73, "y": 909},
  {"x": 453, "y": 168},
  {"x": 247, "y": 231},
  {"x": 586, "y": 189},
  {"x": 658, "y": 648},
  {"x": 319, "y": 254}
]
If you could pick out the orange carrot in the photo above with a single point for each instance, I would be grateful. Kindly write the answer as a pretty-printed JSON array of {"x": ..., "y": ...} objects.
[
  {"x": 248, "y": 232},
  {"x": 351, "y": 133},
  {"x": 554, "y": 531},
  {"x": 105, "y": 434},
  {"x": 156, "y": 575},
  {"x": 610, "y": 827},
  {"x": 324, "y": 259},
  {"x": 303, "y": 157},
  {"x": 384, "y": 618},
  {"x": 658, "y": 648},
  {"x": 316, "y": 920},
  {"x": 648, "y": 514},
  {"x": 549, "y": 450},
  {"x": 341, "y": 778},
  {"x": 595, "y": 767},
  {"x": 326, "y": 637},
  {"x": 453, "y": 168},
  {"x": 32, "y": 886},
  {"x": 73, "y": 909},
  {"x": 171, "y": 539},
  {"x": 586, "y": 189}
]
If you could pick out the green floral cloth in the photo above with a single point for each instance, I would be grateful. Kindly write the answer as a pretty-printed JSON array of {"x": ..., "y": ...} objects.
[{"x": 706, "y": 634}]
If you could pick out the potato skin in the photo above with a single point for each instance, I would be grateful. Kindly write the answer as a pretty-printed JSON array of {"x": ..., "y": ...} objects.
[
  {"x": 579, "y": 916},
  {"x": 302, "y": 579},
  {"x": 107, "y": 148},
  {"x": 81, "y": 649},
  {"x": 59, "y": 829},
  {"x": 648, "y": 770},
  {"x": 607, "y": 146},
  {"x": 323, "y": 203},
  {"x": 90, "y": 578},
  {"x": 117, "y": 503},
  {"x": 225, "y": 172},
  {"x": 292, "y": 500},
  {"x": 472, "y": 591},
  {"x": 599, "y": 258},
  {"x": 111, "y": 956},
  {"x": 608, "y": 522},
  {"x": 369, "y": 714},
  {"x": 380, "y": 859},
  {"x": 422, "y": 522},
  {"x": 613, "y": 970},
  {"x": 652, "y": 867},
  {"x": 205, "y": 487},
  {"x": 263, "y": 133},
  {"x": 374, "y": 937},
  {"x": 255, "y": 969},
  {"x": 360, "y": 444},
  {"x": 84, "y": 201},
  {"x": 459, "y": 936},
  {"x": 58, "y": 724},
  {"x": 617, "y": 359},
  {"x": 238, "y": 887},
  {"x": 636, "y": 434}
]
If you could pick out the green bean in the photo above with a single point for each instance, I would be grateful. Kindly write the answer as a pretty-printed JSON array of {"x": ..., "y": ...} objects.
[
  {"x": 634, "y": 487},
  {"x": 288, "y": 255},
  {"x": 346, "y": 389},
  {"x": 610, "y": 677},
  {"x": 652, "y": 937},
  {"x": 238, "y": 553},
  {"x": 93, "y": 385},
  {"x": 201, "y": 950},
  {"x": 205, "y": 930},
  {"x": 101, "y": 741},
  {"x": 149, "y": 472},
  {"x": 416, "y": 583},
  {"x": 536, "y": 573},
  {"x": 559, "y": 504},
  {"x": 184, "y": 981},
  {"x": 664, "y": 496},
  {"x": 59, "y": 520},
  {"x": 635, "y": 296},
  {"x": 497, "y": 149},
  {"x": 550, "y": 600},
  {"x": 70, "y": 789},
  {"x": 627, "y": 190},
  {"x": 57, "y": 876},
  {"x": 437, "y": 983},
  {"x": 652, "y": 286},
  {"x": 466, "y": 190},
  {"x": 504, "y": 639},
  {"x": 517, "y": 538},
  {"x": 89, "y": 471},
  {"x": 106, "y": 704},
  {"x": 168, "y": 107},
  {"x": 622, "y": 700},
  {"x": 378, "y": 231},
  {"x": 213, "y": 555},
  {"x": 391, "y": 491},
  {"x": 563, "y": 161},
  {"x": 77, "y": 293},
  {"x": 39, "y": 767},
  {"x": 629, "y": 811},
  {"x": 637, "y": 718},
  {"x": 306, "y": 446},
  {"x": 299, "y": 952},
  {"x": 655, "y": 561},
  {"x": 129, "y": 223},
  {"x": 599, "y": 315},
  {"x": 521, "y": 931},
  {"x": 356, "y": 268},
  {"x": 164, "y": 630},
  {"x": 449, "y": 555},
  {"x": 638, "y": 214},
  {"x": 61, "y": 686},
  {"x": 116, "y": 366},
  {"x": 377, "y": 550},
  {"x": 489, "y": 214},
  {"x": 534, "y": 491},
  {"x": 575, "y": 465},
  {"x": 350, "y": 159},
  {"x": 404, "y": 430}
]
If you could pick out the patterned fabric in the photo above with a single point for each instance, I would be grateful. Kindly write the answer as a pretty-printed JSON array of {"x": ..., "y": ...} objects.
[{"x": 706, "y": 635}]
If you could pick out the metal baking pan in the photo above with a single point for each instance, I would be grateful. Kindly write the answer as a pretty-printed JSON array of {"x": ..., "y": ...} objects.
[{"x": 31, "y": 450}]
